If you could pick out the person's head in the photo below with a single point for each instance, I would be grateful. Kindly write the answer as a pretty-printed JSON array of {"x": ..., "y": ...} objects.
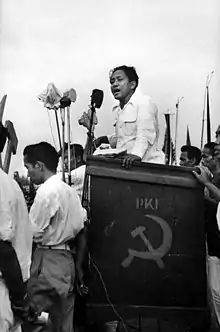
[
  {"x": 190, "y": 156},
  {"x": 217, "y": 135},
  {"x": 76, "y": 152},
  {"x": 208, "y": 156},
  {"x": 124, "y": 81},
  {"x": 41, "y": 161}
]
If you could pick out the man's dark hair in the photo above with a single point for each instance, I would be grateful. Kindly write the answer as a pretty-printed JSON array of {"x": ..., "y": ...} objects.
[
  {"x": 192, "y": 152},
  {"x": 77, "y": 148},
  {"x": 130, "y": 72},
  {"x": 43, "y": 152},
  {"x": 211, "y": 147}
]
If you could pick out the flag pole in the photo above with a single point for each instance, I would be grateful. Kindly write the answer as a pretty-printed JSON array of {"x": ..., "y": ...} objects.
[{"x": 208, "y": 80}]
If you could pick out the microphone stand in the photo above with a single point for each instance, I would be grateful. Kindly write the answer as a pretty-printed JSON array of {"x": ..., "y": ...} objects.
[
  {"x": 73, "y": 150},
  {"x": 91, "y": 132},
  {"x": 85, "y": 196},
  {"x": 65, "y": 103},
  {"x": 62, "y": 114}
]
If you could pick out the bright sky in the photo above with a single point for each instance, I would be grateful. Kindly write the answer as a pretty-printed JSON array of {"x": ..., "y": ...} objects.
[{"x": 173, "y": 44}]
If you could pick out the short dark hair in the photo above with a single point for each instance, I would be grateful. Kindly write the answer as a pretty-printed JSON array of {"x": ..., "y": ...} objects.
[
  {"x": 192, "y": 152},
  {"x": 130, "y": 72},
  {"x": 43, "y": 152},
  {"x": 211, "y": 147},
  {"x": 77, "y": 148}
]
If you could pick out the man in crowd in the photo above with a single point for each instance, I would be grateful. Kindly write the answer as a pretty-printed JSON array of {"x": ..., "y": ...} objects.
[
  {"x": 217, "y": 135},
  {"x": 136, "y": 120},
  {"x": 15, "y": 250},
  {"x": 212, "y": 230},
  {"x": 56, "y": 217},
  {"x": 77, "y": 167},
  {"x": 190, "y": 156}
]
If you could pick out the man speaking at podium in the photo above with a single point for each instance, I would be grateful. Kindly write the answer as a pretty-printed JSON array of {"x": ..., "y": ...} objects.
[{"x": 136, "y": 120}]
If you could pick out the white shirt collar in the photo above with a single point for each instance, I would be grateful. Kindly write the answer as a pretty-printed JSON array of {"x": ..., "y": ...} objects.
[{"x": 132, "y": 100}]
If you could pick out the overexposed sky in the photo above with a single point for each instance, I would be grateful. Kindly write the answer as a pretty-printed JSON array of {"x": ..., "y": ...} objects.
[{"x": 173, "y": 44}]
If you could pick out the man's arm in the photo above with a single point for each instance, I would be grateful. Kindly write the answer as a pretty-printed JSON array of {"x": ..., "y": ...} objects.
[
  {"x": 11, "y": 272},
  {"x": 101, "y": 140},
  {"x": 41, "y": 212},
  {"x": 80, "y": 258},
  {"x": 204, "y": 177},
  {"x": 146, "y": 132},
  {"x": 9, "y": 264},
  {"x": 213, "y": 189}
]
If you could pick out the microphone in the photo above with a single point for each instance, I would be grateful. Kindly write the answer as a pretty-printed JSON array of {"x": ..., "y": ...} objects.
[
  {"x": 71, "y": 94},
  {"x": 97, "y": 98},
  {"x": 65, "y": 102},
  {"x": 69, "y": 97}
]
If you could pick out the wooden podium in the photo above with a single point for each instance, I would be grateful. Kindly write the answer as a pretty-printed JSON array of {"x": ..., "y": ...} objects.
[{"x": 147, "y": 242}]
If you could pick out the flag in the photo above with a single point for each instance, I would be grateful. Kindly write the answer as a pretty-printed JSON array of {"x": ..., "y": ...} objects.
[
  {"x": 188, "y": 141},
  {"x": 208, "y": 117},
  {"x": 168, "y": 147}
]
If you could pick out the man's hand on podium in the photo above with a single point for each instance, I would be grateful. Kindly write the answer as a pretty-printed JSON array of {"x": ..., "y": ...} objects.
[{"x": 129, "y": 159}]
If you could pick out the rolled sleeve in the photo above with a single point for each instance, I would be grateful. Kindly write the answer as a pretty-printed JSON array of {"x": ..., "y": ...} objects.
[{"x": 146, "y": 133}]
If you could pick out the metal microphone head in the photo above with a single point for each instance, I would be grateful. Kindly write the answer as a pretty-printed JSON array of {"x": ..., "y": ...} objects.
[{"x": 97, "y": 98}]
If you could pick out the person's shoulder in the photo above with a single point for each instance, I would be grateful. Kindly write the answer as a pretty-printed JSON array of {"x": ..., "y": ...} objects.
[
  {"x": 146, "y": 103},
  {"x": 141, "y": 98},
  {"x": 4, "y": 177},
  {"x": 6, "y": 181},
  {"x": 79, "y": 171},
  {"x": 49, "y": 186}
]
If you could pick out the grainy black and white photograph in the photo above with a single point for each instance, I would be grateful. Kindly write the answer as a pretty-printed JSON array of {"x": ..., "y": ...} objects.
[{"x": 109, "y": 165}]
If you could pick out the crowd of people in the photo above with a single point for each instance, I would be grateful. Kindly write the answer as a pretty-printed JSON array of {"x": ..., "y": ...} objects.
[{"x": 43, "y": 252}]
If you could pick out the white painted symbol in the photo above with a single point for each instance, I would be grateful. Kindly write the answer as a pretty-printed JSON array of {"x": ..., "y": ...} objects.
[
  {"x": 151, "y": 253},
  {"x": 147, "y": 203}
]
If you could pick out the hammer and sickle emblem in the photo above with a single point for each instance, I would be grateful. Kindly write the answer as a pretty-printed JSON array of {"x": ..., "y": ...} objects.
[{"x": 151, "y": 253}]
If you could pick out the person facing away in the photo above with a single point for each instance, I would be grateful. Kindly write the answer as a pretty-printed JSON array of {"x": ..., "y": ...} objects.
[
  {"x": 56, "y": 217},
  {"x": 77, "y": 167},
  {"x": 212, "y": 186},
  {"x": 136, "y": 119},
  {"x": 15, "y": 250},
  {"x": 190, "y": 156}
]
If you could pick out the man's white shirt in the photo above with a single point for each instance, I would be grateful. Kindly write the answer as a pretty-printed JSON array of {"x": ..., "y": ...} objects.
[
  {"x": 137, "y": 128},
  {"x": 77, "y": 179},
  {"x": 15, "y": 224},
  {"x": 56, "y": 213}
]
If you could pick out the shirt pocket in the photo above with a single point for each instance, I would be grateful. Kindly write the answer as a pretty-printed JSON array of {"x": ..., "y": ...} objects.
[{"x": 130, "y": 124}]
